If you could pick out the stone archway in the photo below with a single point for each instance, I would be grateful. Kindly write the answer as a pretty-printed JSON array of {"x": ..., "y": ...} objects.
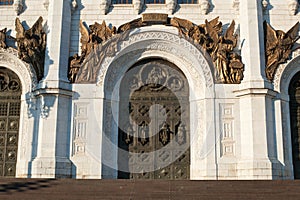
[
  {"x": 166, "y": 45},
  {"x": 28, "y": 79},
  {"x": 294, "y": 93},
  {"x": 10, "y": 103}
]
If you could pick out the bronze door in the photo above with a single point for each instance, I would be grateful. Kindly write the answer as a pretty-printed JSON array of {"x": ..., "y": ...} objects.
[
  {"x": 154, "y": 122},
  {"x": 10, "y": 101},
  {"x": 294, "y": 92}
]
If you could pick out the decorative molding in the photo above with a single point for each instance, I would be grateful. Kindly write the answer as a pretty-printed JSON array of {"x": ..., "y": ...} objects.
[
  {"x": 74, "y": 5},
  {"x": 104, "y": 6},
  {"x": 18, "y": 6},
  {"x": 44, "y": 108},
  {"x": 264, "y": 4},
  {"x": 46, "y": 4},
  {"x": 293, "y": 6},
  {"x": 204, "y": 7},
  {"x": 80, "y": 128},
  {"x": 171, "y": 6},
  {"x": 138, "y": 6},
  {"x": 284, "y": 73},
  {"x": 9, "y": 58},
  {"x": 236, "y": 6},
  {"x": 227, "y": 130},
  {"x": 157, "y": 44}
]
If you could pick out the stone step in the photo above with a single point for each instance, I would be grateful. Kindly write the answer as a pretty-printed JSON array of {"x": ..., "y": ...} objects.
[{"x": 146, "y": 189}]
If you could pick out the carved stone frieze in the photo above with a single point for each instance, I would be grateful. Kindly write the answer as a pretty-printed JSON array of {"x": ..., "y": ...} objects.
[
  {"x": 31, "y": 45},
  {"x": 278, "y": 47},
  {"x": 228, "y": 65}
]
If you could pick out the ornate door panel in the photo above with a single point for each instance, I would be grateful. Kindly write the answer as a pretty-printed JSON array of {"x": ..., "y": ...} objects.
[
  {"x": 294, "y": 92},
  {"x": 154, "y": 122},
  {"x": 10, "y": 95}
]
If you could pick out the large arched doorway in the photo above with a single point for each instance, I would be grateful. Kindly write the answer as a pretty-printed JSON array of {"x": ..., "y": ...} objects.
[
  {"x": 294, "y": 92},
  {"x": 154, "y": 122},
  {"x": 10, "y": 101}
]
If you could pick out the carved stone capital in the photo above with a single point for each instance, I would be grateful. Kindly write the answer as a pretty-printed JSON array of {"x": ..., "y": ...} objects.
[
  {"x": 18, "y": 6},
  {"x": 46, "y": 4},
  {"x": 138, "y": 6},
  {"x": 264, "y": 4},
  {"x": 104, "y": 6},
  {"x": 236, "y": 5},
  {"x": 171, "y": 6},
  {"x": 74, "y": 5},
  {"x": 293, "y": 7},
  {"x": 204, "y": 6}
]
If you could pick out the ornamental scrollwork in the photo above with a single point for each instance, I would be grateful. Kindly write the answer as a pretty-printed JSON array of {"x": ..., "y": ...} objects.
[
  {"x": 31, "y": 45},
  {"x": 278, "y": 47}
]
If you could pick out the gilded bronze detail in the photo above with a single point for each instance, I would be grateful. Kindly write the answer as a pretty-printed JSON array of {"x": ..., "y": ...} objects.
[
  {"x": 31, "y": 45},
  {"x": 228, "y": 65},
  {"x": 3, "y": 38},
  {"x": 278, "y": 47},
  {"x": 209, "y": 36},
  {"x": 90, "y": 38}
]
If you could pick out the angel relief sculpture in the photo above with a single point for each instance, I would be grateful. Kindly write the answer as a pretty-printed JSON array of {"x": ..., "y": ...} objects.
[
  {"x": 90, "y": 38},
  {"x": 31, "y": 45},
  {"x": 228, "y": 65},
  {"x": 278, "y": 47},
  {"x": 3, "y": 38}
]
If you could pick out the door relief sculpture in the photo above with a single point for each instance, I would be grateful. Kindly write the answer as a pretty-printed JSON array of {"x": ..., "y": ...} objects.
[{"x": 154, "y": 122}]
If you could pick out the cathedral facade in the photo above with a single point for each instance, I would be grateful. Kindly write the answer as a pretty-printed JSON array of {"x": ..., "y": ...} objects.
[{"x": 154, "y": 89}]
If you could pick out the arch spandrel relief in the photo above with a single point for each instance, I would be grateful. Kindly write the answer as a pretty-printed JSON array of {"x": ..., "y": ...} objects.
[{"x": 206, "y": 37}]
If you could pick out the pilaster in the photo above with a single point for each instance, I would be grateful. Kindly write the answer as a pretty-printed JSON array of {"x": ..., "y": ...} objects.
[
  {"x": 252, "y": 44},
  {"x": 55, "y": 98}
]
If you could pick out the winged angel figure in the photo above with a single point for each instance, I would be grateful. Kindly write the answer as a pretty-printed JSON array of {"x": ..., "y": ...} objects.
[
  {"x": 228, "y": 64},
  {"x": 3, "y": 38},
  {"x": 31, "y": 45},
  {"x": 278, "y": 45}
]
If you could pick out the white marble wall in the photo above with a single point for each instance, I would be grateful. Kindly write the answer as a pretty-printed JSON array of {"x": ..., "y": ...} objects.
[{"x": 241, "y": 122}]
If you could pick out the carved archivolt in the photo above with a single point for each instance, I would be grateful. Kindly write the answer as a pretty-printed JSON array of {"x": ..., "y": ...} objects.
[
  {"x": 284, "y": 73},
  {"x": 9, "y": 59},
  {"x": 278, "y": 47},
  {"x": 228, "y": 65}
]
